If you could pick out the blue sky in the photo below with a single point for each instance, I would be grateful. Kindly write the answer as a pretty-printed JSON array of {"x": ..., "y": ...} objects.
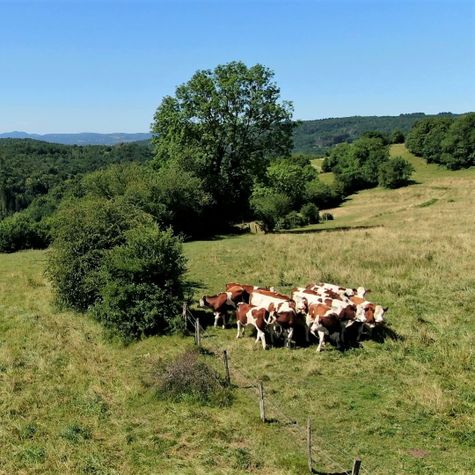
[{"x": 104, "y": 66}]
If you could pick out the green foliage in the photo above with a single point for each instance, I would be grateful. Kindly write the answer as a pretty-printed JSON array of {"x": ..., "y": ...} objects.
[
  {"x": 356, "y": 165},
  {"x": 310, "y": 213},
  {"x": 376, "y": 134},
  {"x": 84, "y": 231},
  {"x": 30, "y": 168},
  {"x": 189, "y": 379},
  {"x": 321, "y": 194},
  {"x": 319, "y": 136},
  {"x": 19, "y": 231},
  {"x": 142, "y": 283},
  {"x": 269, "y": 205},
  {"x": 289, "y": 177},
  {"x": 397, "y": 136},
  {"x": 224, "y": 125},
  {"x": 458, "y": 146},
  {"x": 173, "y": 196},
  {"x": 395, "y": 173}
]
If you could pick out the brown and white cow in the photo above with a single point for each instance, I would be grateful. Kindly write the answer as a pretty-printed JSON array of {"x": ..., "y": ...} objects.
[
  {"x": 223, "y": 302},
  {"x": 247, "y": 287},
  {"x": 330, "y": 320},
  {"x": 339, "y": 290},
  {"x": 247, "y": 314},
  {"x": 283, "y": 312},
  {"x": 369, "y": 313}
]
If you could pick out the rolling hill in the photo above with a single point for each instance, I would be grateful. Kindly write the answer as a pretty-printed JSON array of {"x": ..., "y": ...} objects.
[{"x": 73, "y": 402}]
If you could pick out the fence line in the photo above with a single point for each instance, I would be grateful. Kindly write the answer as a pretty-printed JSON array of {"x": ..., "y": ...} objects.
[{"x": 291, "y": 424}]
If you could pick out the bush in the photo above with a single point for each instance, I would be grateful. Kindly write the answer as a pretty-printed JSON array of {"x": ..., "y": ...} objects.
[
  {"x": 397, "y": 136},
  {"x": 84, "y": 231},
  {"x": 322, "y": 195},
  {"x": 19, "y": 231},
  {"x": 189, "y": 379},
  {"x": 143, "y": 286},
  {"x": 269, "y": 205},
  {"x": 310, "y": 213},
  {"x": 327, "y": 217},
  {"x": 395, "y": 173}
]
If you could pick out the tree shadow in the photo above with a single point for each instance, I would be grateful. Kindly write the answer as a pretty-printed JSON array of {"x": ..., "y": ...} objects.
[{"x": 330, "y": 230}]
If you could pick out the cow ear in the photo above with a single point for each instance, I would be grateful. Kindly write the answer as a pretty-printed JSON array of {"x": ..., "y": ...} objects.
[
  {"x": 368, "y": 291},
  {"x": 385, "y": 309}
]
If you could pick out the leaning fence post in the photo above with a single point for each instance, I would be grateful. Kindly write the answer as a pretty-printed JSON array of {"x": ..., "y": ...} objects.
[
  {"x": 197, "y": 332},
  {"x": 356, "y": 466},
  {"x": 262, "y": 409},
  {"x": 309, "y": 445},
  {"x": 184, "y": 311},
  {"x": 226, "y": 367}
]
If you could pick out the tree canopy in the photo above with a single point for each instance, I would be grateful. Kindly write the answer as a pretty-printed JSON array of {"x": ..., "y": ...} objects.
[{"x": 224, "y": 125}]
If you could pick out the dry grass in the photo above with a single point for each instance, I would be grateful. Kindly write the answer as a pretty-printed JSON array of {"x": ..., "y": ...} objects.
[{"x": 71, "y": 402}]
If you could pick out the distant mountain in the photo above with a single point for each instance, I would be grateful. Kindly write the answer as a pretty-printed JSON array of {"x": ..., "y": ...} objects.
[
  {"x": 310, "y": 136},
  {"x": 84, "y": 138}
]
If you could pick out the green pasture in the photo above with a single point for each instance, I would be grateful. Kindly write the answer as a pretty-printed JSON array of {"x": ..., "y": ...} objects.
[{"x": 73, "y": 402}]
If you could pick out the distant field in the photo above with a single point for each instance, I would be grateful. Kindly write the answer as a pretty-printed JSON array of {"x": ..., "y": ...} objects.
[{"x": 405, "y": 406}]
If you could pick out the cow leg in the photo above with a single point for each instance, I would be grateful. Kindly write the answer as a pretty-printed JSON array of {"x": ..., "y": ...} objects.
[
  {"x": 289, "y": 337},
  {"x": 321, "y": 343},
  {"x": 238, "y": 329},
  {"x": 261, "y": 336},
  {"x": 216, "y": 318},
  {"x": 307, "y": 334},
  {"x": 224, "y": 320}
]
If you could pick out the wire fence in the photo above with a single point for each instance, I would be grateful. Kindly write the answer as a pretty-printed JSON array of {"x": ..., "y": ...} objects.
[{"x": 243, "y": 380}]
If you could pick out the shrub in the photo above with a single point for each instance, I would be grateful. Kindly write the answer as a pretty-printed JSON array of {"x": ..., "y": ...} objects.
[
  {"x": 84, "y": 231},
  {"x": 143, "y": 286},
  {"x": 290, "y": 220},
  {"x": 397, "y": 136},
  {"x": 310, "y": 213},
  {"x": 322, "y": 195},
  {"x": 188, "y": 378},
  {"x": 19, "y": 231},
  {"x": 395, "y": 173},
  {"x": 269, "y": 205}
]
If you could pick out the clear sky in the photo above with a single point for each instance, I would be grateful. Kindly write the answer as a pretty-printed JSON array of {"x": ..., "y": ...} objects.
[{"x": 104, "y": 66}]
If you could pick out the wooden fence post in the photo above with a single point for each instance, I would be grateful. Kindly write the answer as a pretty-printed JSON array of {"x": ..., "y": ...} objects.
[
  {"x": 262, "y": 409},
  {"x": 309, "y": 445},
  {"x": 184, "y": 311},
  {"x": 356, "y": 466},
  {"x": 226, "y": 367},
  {"x": 197, "y": 332}
]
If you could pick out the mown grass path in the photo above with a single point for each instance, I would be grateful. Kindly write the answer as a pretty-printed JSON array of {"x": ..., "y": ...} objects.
[{"x": 71, "y": 402}]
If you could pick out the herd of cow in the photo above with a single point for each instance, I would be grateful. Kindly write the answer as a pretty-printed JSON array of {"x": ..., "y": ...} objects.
[{"x": 322, "y": 310}]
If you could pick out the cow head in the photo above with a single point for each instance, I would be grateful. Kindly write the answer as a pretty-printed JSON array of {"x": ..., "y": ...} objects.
[
  {"x": 379, "y": 312},
  {"x": 203, "y": 302}
]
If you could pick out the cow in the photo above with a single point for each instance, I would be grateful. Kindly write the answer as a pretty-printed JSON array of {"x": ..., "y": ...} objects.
[
  {"x": 330, "y": 320},
  {"x": 247, "y": 287},
  {"x": 341, "y": 291},
  {"x": 247, "y": 314},
  {"x": 283, "y": 312},
  {"x": 223, "y": 302},
  {"x": 369, "y": 313}
]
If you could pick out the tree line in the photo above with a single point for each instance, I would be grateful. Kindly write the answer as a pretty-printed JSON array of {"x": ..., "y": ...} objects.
[{"x": 447, "y": 141}]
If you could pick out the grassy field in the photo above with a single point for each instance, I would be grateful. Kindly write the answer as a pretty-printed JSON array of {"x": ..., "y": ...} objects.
[{"x": 71, "y": 402}]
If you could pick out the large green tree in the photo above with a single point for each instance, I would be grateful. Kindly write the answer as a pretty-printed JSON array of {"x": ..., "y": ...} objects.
[{"x": 225, "y": 125}]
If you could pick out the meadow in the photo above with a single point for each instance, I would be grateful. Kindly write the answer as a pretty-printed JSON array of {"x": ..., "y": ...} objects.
[{"x": 73, "y": 402}]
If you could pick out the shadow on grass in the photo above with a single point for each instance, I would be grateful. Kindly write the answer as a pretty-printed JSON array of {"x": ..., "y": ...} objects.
[{"x": 330, "y": 230}]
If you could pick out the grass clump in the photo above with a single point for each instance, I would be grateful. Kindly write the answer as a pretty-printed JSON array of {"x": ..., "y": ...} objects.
[
  {"x": 187, "y": 378},
  {"x": 76, "y": 433}
]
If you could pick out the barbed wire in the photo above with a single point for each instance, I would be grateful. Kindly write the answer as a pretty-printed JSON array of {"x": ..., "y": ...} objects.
[{"x": 291, "y": 424}]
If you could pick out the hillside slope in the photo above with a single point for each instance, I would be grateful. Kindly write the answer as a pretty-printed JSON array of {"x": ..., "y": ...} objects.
[{"x": 73, "y": 403}]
